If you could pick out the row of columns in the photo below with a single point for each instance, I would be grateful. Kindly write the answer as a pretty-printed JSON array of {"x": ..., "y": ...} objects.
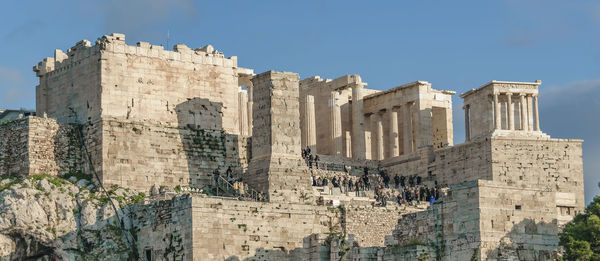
[
  {"x": 528, "y": 107},
  {"x": 357, "y": 146},
  {"x": 377, "y": 133}
]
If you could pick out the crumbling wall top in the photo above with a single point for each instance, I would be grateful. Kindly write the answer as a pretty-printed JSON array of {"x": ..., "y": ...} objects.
[
  {"x": 338, "y": 83},
  {"x": 115, "y": 43}
]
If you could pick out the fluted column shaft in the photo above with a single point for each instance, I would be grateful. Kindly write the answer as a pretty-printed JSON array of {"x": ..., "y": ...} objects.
[
  {"x": 243, "y": 112},
  {"x": 529, "y": 113},
  {"x": 467, "y": 124},
  {"x": 249, "y": 110},
  {"x": 394, "y": 142},
  {"x": 358, "y": 128},
  {"x": 336, "y": 124},
  {"x": 380, "y": 148},
  {"x": 497, "y": 113},
  {"x": 309, "y": 123},
  {"x": 511, "y": 111},
  {"x": 536, "y": 113},
  {"x": 407, "y": 128},
  {"x": 523, "y": 109}
]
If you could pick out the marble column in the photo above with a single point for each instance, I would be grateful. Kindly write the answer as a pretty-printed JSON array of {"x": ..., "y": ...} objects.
[
  {"x": 523, "y": 109},
  {"x": 408, "y": 144},
  {"x": 529, "y": 113},
  {"x": 393, "y": 140},
  {"x": 536, "y": 113},
  {"x": 380, "y": 148},
  {"x": 249, "y": 110},
  {"x": 511, "y": 111},
  {"x": 373, "y": 129},
  {"x": 347, "y": 144},
  {"x": 336, "y": 124},
  {"x": 243, "y": 112},
  {"x": 497, "y": 113},
  {"x": 467, "y": 123},
  {"x": 309, "y": 123},
  {"x": 358, "y": 123}
]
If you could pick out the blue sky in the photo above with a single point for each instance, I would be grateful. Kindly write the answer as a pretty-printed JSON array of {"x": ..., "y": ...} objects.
[{"x": 455, "y": 45}]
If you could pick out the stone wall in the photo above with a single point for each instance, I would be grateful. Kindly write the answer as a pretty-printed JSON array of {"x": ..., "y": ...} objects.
[
  {"x": 204, "y": 228},
  {"x": 14, "y": 152},
  {"x": 518, "y": 222},
  {"x": 34, "y": 145},
  {"x": 551, "y": 164},
  {"x": 110, "y": 85},
  {"x": 145, "y": 82},
  {"x": 486, "y": 219},
  {"x": 277, "y": 168},
  {"x": 54, "y": 148},
  {"x": 450, "y": 227},
  {"x": 70, "y": 86},
  {"x": 266, "y": 231},
  {"x": 207, "y": 228},
  {"x": 164, "y": 229},
  {"x": 139, "y": 155},
  {"x": 370, "y": 225}
]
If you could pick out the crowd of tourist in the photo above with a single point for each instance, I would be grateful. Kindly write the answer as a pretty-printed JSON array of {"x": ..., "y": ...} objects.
[
  {"x": 405, "y": 190},
  {"x": 309, "y": 159}
]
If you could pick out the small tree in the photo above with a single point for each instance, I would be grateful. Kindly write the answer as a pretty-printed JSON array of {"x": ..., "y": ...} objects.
[{"x": 581, "y": 236}]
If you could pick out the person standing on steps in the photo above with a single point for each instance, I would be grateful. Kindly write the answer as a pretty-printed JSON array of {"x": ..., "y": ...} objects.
[{"x": 229, "y": 173}]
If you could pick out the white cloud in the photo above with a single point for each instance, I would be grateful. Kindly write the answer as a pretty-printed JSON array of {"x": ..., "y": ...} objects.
[{"x": 141, "y": 19}]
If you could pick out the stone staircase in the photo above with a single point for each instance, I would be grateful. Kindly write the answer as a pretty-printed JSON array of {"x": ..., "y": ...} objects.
[{"x": 224, "y": 188}]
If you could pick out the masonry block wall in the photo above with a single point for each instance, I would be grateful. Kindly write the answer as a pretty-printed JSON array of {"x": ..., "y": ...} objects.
[
  {"x": 139, "y": 154},
  {"x": 34, "y": 145},
  {"x": 369, "y": 225},
  {"x": 550, "y": 164},
  {"x": 277, "y": 168},
  {"x": 14, "y": 152},
  {"x": 70, "y": 84},
  {"x": 204, "y": 228},
  {"x": 164, "y": 229},
  {"x": 144, "y": 87},
  {"x": 517, "y": 222}
]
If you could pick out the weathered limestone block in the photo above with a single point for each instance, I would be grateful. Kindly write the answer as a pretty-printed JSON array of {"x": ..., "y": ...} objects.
[
  {"x": 276, "y": 168},
  {"x": 35, "y": 145}
]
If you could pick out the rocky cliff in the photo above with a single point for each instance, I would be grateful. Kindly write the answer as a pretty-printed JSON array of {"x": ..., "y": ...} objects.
[{"x": 51, "y": 218}]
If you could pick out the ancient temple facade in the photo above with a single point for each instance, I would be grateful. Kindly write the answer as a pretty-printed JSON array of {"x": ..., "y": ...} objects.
[{"x": 141, "y": 117}]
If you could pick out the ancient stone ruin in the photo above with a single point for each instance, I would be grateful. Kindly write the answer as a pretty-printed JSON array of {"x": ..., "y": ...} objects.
[{"x": 177, "y": 124}]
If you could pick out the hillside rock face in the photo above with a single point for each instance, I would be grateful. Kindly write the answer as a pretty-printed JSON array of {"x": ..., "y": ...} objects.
[{"x": 50, "y": 218}]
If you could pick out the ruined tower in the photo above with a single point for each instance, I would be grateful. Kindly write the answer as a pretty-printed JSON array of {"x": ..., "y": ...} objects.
[{"x": 276, "y": 168}]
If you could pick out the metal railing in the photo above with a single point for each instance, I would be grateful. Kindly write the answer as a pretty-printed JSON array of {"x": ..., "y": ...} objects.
[{"x": 246, "y": 194}]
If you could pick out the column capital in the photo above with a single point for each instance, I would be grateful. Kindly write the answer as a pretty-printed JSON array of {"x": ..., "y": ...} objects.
[{"x": 522, "y": 94}]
